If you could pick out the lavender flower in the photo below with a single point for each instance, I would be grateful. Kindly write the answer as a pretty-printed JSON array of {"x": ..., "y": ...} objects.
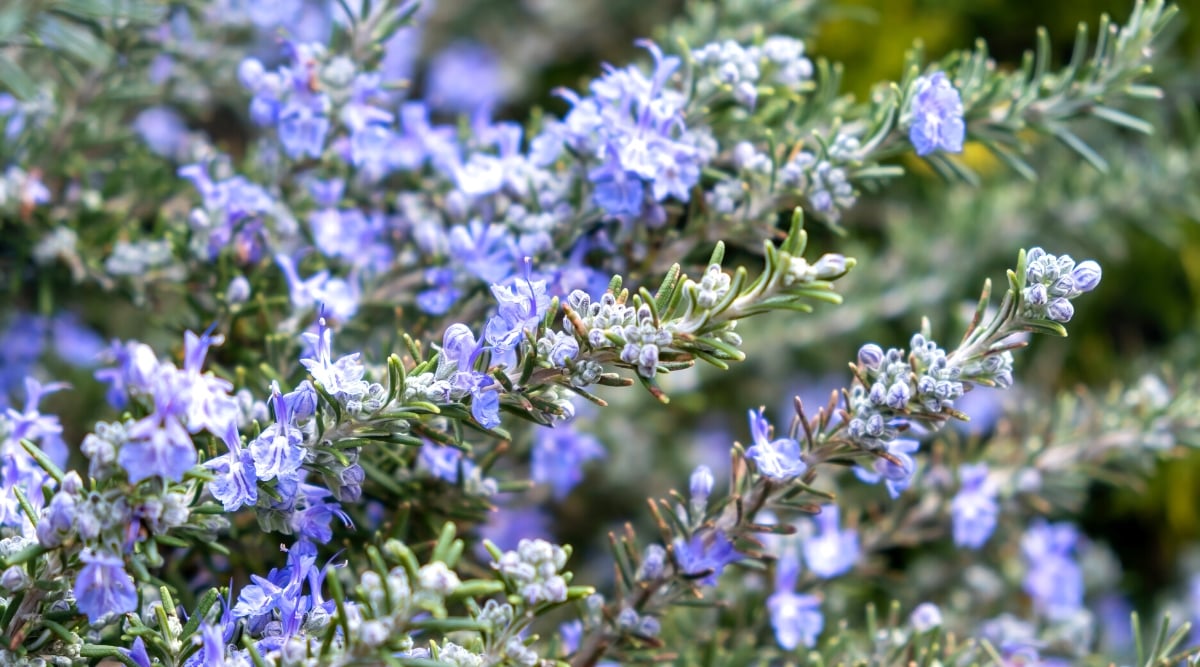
[
  {"x": 235, "y": 483},
  {"x": 831, "y": 551},
  {"x": 278, "y": 451},
  {"x": 137, "y": 653},
  {"x": 103, "y": 587},
  {"x": 974, "y": 510},
  {"x": 342, "y": 378},
  {"x": 796, "y": 619},
  {"x": 779, "y": 459},
  {"x": 465, "y": 77},
  {"x": 897, "y": 476},
  {"x": 705, "y": 555},
  {"x": 559, "y": 454},
  {"x": 937, "y": 116},
  {"x": 1054, "y": 579},
  {"x": 925, "y": 617},
  {"x": 633, "y": 127}
]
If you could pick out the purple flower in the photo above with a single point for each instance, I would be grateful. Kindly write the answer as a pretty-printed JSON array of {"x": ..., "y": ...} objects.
[
  {"x": 57, "y": 519},
  {"x": 780, "y": 459},
  {"x": 278, "y": 451},
  {"x": 210, "y": 406},
  {"x": 337, "y": 296},
  {"x": 616, "y": 190},
  {"x": 521, "y": 307},
  {"x": 507, "y": 526},
  {"x": 1116, "y": 632},
  {"x": 926, "y": 616},
  {"x": 341, "y": 378},
  {"x": 465, "y": 77},
  {"x": 485, "y": 401},
  {"x": 74, "y": 342},
  {"x": 796, "y": 619},
  {"x": 212, "y": 647},
  {"x": 103, "y": 586},
  {"x": 1053, "y": 579},
  {"x": 419, "y": 142},
  {"x": 570, "y": 634},
  {"x": 281, "y": 591},
  {"x": 443, "y": 462},
  {"x": 137, "y": 653},
  {"x": 558, "y": 457},
  {"x": 314, "y": 514},
  {"x": 700, "y": 484},
  {"x": 897, "y": 476},
  {"x": 831, "y": 551},
  {"x": 632, "y": 127},
  {"x": 705, "y": 555},
  {"x": 441, "y": 296},
  {"x": 235, "y": 483},
  {"x": 974, "y": 510},
  {"x": 159, "y": 445},
  {"x": 163, "y": 130},
  {"x": 21, "y": 345},
  {"x": 937, "y": 116},
  {"x": 482, "y": 250},
  {"x": 31, "y": 424}
]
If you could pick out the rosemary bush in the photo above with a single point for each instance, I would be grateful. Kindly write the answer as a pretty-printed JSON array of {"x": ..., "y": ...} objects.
[{"x": 322, "y": 347}]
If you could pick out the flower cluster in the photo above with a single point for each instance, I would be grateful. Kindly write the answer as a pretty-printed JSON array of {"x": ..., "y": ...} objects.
[
  {"x": 1052, "y": 281},
  {"x": 632, "y": 129},
  {"x": 534, "y": 568},
  {"x": 897, "y": 384},
  {"x": 778, "y": 60}
]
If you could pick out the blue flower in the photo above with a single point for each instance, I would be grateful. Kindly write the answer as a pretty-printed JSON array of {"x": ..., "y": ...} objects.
[
  {"x": 705, "y": 555},
  {"x": 162, "y": 129},
  {"x": 103, "y": 587},
  {"x": 796, "y": 619},
  {"x": 616, "y": 190},
  {"x": 438, "y": 299},
  {"x": 558, "y": 457},
  {"x": 507, "y": 526},
  {"x": 137, "y": 653},
  {"x": 974, "y": 510},
  {"x": 937, "y": 116},
  {"x": 482, "y": 250},
  {"x": 831, "y": 551},
  {"x": 337, "y": 296},
  {"x": 314, "y": 513},
  {"x": 342, "y": 378},
  {"x": 443, "y": 462},
  {"x": 899, "y": 473},
  {"x": 278, "y": 451},
  {"x": 521, "y": 306},
  {"x": 570, "y": 633},
  {"x": 57, "y": 519},
  {"x": 159, "y": 446},
  {"x": 465, "y": 77},
  {"x": 780, "y": 459},
  {"x": 1054, "y": 580},
  {"x": 235, "y": 482}
]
